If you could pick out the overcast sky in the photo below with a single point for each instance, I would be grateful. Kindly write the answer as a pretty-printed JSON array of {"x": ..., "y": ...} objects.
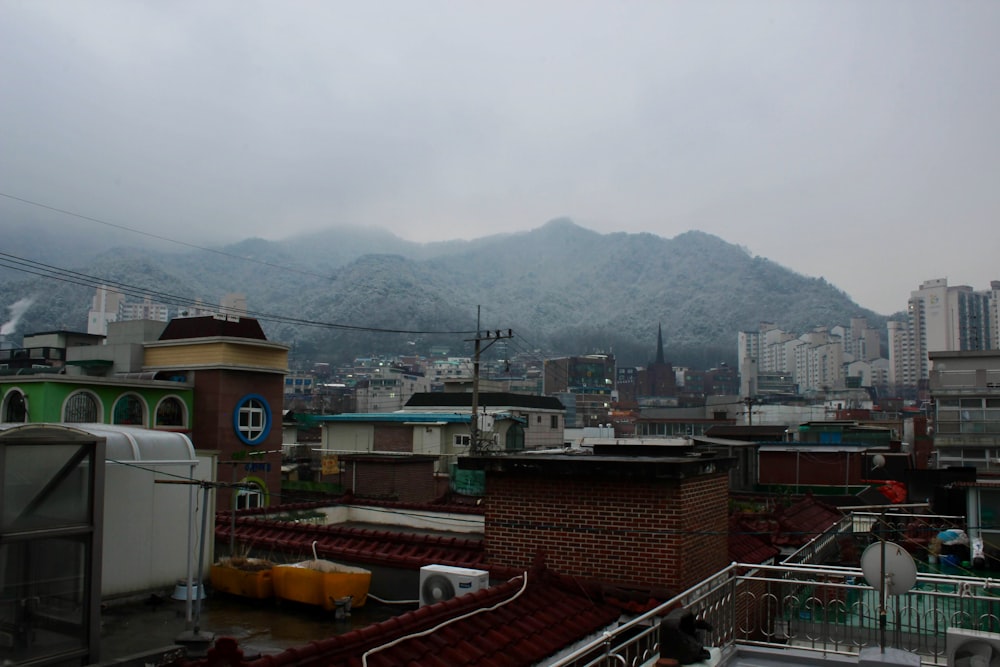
[{"x": 854, "y": 140}]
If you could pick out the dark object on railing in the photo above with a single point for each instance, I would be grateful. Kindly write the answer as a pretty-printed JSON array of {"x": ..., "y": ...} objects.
[{"x": 679, "y": 637}]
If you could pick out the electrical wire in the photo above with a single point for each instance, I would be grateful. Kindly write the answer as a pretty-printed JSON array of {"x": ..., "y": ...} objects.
[
  {"x": 160, "y": 238},
  {"x": 455, "y": 619},
  {"x": 74, "y": 277}
]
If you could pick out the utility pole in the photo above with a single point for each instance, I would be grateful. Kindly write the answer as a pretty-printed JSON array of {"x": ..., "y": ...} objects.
[
  {"x": 750, "y": 401},
  {"x": 475, "y": 446}
]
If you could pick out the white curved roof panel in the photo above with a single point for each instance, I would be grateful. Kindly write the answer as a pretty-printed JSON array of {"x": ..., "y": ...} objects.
[{"x": 124, "y": 443}]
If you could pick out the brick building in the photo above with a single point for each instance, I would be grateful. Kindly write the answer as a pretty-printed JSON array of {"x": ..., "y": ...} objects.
[
  {"x": 238, "y": 379},
  {"x": 621, "y": 515}
]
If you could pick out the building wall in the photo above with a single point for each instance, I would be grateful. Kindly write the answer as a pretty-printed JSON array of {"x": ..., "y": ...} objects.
[
  {"x": 966, "y": 391},
  {"x": 394, "y": 437},
  {"x": 219, "y": 394},
  {"x": 660, "y": 533},
  {"x": 809, "y": 467},
  {"x": 179, "y": 355},
  {"x": 402, "y": 479},
  {"x": 46, "y": 397}
]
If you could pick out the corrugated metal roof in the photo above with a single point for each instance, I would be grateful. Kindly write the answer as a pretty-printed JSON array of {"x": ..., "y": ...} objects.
[{"x": 123, "y": 443}]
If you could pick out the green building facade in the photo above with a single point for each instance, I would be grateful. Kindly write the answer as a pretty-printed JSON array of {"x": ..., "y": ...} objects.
[{"x": 54, "y": 398}]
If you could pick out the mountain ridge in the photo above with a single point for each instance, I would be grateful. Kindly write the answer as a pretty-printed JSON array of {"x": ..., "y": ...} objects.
[{"x": 567, "y": 289}]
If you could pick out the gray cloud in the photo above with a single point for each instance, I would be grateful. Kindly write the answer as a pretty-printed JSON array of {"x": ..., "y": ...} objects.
[{"x": 853, "y": 141}]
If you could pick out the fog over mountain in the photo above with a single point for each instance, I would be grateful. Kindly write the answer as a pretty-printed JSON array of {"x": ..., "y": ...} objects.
[{"x": 563, "y": 290}]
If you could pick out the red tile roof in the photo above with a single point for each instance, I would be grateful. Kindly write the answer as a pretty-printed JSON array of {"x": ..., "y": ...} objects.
[
  {"x": 806, "y": 519},
  {"x": 791, "y": 526},
  {"x": 357, "y": 545},
  {"x": 745, "y": 546},
  {"x": 499, "y": 626}
]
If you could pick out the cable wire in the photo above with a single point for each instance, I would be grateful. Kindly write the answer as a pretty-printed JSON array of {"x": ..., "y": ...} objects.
[
  {"x": 74, "y": 277},
  {"x": 158, "y": 237}
]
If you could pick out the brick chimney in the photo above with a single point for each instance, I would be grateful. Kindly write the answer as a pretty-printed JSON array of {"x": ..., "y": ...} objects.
[{"x": 657, "y": 519}]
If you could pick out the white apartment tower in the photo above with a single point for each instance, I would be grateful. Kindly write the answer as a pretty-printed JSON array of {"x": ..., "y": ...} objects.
[
  {"x": 145, "y": 310},
  {"x": 109, "y": 305},
  {"x": 105, "y": 307},
  {"x": 941, "y": 318}
]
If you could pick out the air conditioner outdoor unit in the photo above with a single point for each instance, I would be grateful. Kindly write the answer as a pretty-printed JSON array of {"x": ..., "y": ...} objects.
[
  {"x": 972, "y": 647},
  {"x": 443, "y": 582}
]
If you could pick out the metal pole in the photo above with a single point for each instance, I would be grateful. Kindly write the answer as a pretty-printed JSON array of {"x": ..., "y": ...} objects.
[
  {"x": 881, "y": 599},
  {"x": 232, "y": 517},
  {"x": 201, "y": 560},
  {"x": 474, "y": 423}
]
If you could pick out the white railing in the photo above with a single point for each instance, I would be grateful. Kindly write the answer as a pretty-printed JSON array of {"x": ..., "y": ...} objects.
[{"x": 826, "y": 610}]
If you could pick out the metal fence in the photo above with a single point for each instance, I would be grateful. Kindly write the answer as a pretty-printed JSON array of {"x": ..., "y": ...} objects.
[{"x": 827, "y": 610}]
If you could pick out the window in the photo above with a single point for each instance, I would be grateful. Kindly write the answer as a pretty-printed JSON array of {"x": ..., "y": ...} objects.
[
  {"x": 252, "y": 419},
  {"x": 554, "y": 421},
  {"x": 81, "y": 407},
  {"x": 249, "y": 498},
  {"x": 463, "y": 440},
  {"x": 170, "y": 412},
  {"x": 15, "y": 407},
  {"x": 515, "y": 438},
  {"x": 129, "y": 410}
]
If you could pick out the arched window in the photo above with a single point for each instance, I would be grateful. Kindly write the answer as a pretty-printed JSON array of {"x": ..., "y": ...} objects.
[
  {"x": 252, "y": 419},
  {"x": 515, "y": 437},
  {"x": 81, "y": 407},
  {"x": 249, "y": 497},
  {"x": 15, "y": 407},
  {"x": 170, "y": 413},
  {"x": 129, "y": 410}
]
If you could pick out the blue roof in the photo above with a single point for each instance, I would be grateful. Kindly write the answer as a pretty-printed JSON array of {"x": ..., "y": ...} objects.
[{"x": 400, "y": 417}]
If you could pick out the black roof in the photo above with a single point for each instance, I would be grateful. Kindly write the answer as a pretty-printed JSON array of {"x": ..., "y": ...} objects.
[
  {"x": 762, "y": 433},
  {"x": 487, "y": 399},
  {"x": 211, "y": 326}
]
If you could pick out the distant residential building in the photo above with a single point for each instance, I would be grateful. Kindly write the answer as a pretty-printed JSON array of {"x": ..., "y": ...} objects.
[
  {"x": 449, "y": 368},
  {"x": 864, "y": 343},
  {"x": 814, "y": 362},
  {"x": 146, "y": 310},
  {"x": 965, "y": 388},
  {"x": 388, "y": 389},
  {"x": 45, "y": 350},
  {"x": 722, "y": 381},
  {"x": 109, "y": 305},
  {"x": 585, "y": 385},
  {"x": 105, "y": 307},
  {"x": 299, "y": 384},
  {"x": 942, "y": 318}
]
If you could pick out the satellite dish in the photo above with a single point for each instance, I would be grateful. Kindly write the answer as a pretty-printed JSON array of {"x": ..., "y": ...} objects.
[
  {"x": 878, "y": 461},
  {"x": 900, "y": 572}
]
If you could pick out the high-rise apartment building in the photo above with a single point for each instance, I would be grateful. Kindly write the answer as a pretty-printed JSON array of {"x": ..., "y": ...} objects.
[
  {"x": 109, "y": 305},
  {"x": 941, "y": 318},
  {"x": 144, "y": 310},
  {"x": 105, "y": 307}
]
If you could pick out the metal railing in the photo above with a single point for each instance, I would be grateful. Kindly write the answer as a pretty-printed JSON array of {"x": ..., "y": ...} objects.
[{"x": 826, "y": 610}]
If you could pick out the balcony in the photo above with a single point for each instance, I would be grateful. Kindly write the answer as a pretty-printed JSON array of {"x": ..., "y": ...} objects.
[{"x": 805, "y": 615}]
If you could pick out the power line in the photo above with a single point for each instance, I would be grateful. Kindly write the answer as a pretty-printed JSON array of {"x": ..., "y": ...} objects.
[
  {"x": 73, "y": 277},
  {"x": 160, "y": 238}
]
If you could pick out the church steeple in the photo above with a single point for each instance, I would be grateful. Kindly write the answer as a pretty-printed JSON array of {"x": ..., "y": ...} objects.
[{"x": 659, "y": 344}]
